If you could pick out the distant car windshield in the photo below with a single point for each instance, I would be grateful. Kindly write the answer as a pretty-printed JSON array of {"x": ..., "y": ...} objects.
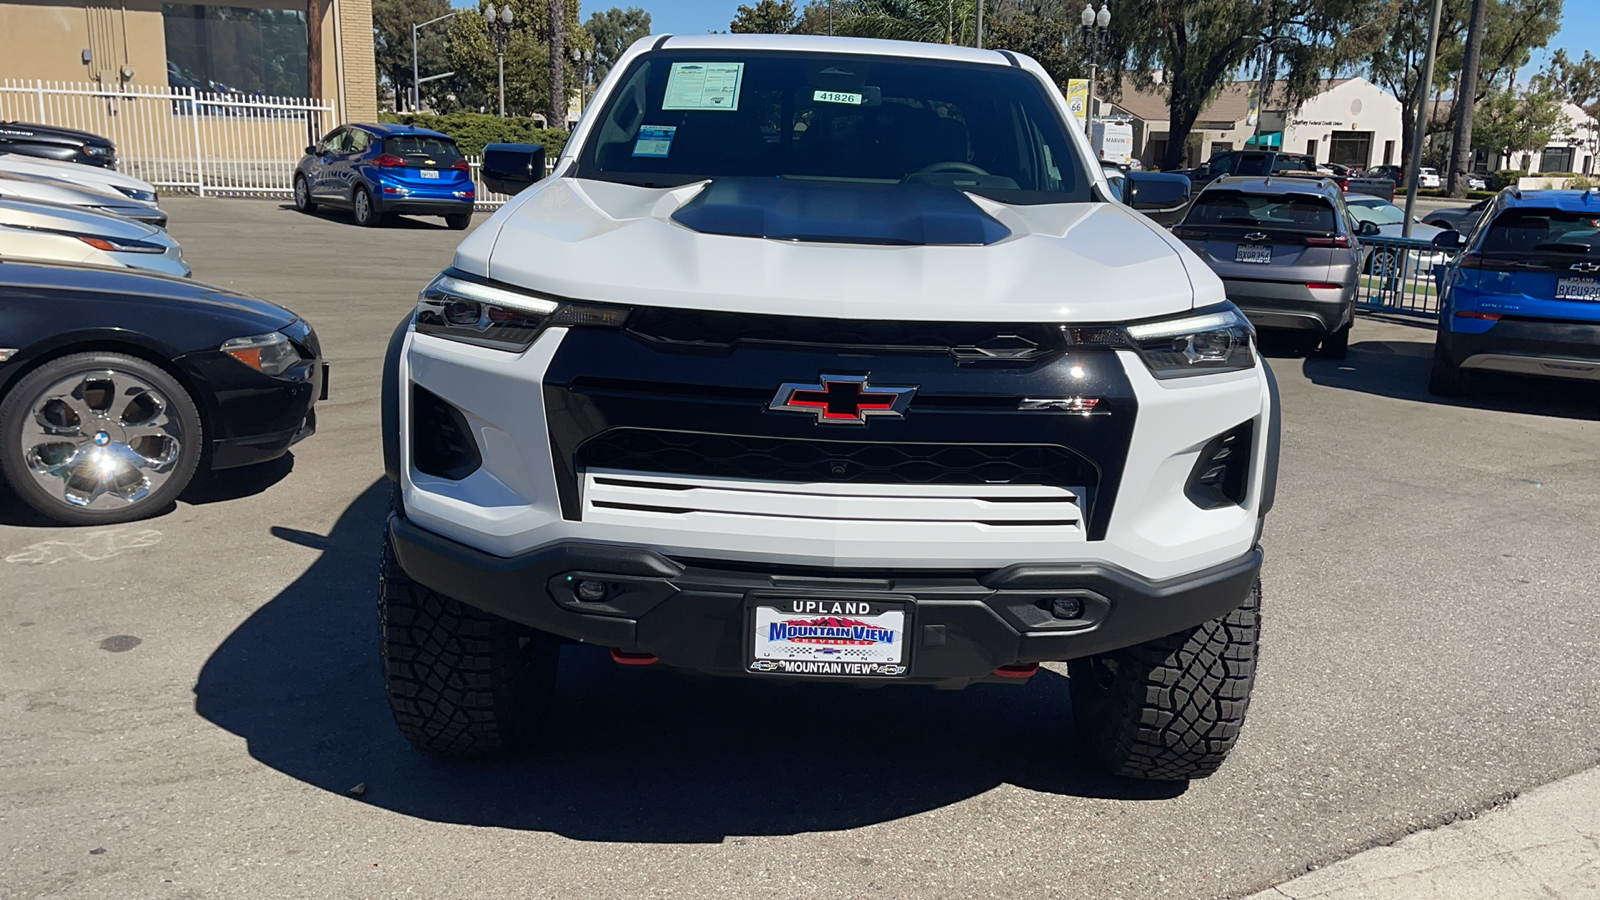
[
  {"x": 1375, "y": 211},
  {"x": 1282, "y": 212},
  {"x": 1544, "y": 232},
  {"x": 418, "y": 149},
  {"x": 682, "y": 116}
]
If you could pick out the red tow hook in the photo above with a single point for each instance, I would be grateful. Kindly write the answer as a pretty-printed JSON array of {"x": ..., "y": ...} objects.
[
  {"x": 627, "y": 658},
  {"x": 1021, "y": 670}
]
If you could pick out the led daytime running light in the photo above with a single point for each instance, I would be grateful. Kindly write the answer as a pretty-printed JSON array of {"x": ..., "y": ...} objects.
[
  {"x": 483, "y": 293},
  {"x": 1180, "y": 327}
]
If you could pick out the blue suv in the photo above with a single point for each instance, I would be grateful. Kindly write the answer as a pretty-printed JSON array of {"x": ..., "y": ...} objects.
[
  {"x": 375, "y": 170},
  {"x": 1523, "y": 297}
]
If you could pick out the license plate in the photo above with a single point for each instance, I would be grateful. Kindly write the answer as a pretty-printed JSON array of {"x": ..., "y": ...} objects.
[
  {"x": 1253, "y": 253},
  {"x": 431, "y": 173},
  {"x": 1578, "y": 289},
  {"x": 849, "y": 638}
]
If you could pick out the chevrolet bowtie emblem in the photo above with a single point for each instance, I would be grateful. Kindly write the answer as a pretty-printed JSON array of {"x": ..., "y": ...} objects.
[{"x": 843, "y": 399}]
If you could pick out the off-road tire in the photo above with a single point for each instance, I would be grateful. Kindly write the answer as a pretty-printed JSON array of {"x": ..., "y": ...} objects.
[
  {"x": 1170, "y": 709},
  {"x": 1445, "y": 379},
  {"x": 1337, "y": 344},
  {"x": 302, "y": 195},
  {"x": 458, "y": 221},
  {"x": 460, "y": 682}
]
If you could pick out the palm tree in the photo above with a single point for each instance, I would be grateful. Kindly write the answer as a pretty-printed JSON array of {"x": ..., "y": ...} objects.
[{"x": 930, "y": 21}]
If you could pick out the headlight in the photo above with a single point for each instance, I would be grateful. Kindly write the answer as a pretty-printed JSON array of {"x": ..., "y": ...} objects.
[
  {"x": 453, "y": 306},
  {"x": 120, "y": 245},
  {"x": 98, "y": 151},
  {"x": 271, "y": 353},
  {"x": 137, "y": 194},
  {"x": 1216, "y": 339}
]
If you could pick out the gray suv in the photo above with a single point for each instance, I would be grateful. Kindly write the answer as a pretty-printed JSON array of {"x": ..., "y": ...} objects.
[{"x": 1287, "y": 250}]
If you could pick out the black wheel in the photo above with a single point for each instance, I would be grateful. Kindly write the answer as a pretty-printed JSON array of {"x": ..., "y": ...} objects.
[
  {"x": 98, "y": 438},
  {"x": 1337, "y": 344},
  {"x": 460, "y": 681},
  {"x": 1445, "y": 379},
  {"x": 366, "y": 213},
  {"x": 302, "y": 195},
  {"x": 1170, "y": 709},
  {"x": 458, "y": 221}
]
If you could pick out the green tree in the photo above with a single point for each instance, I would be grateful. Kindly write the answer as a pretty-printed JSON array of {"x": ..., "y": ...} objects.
[
  {"x": 1511, "y": 122},
  {"x": 1578, "y": 82},
  {"x": 391, "y": 46},
  {"x": 613, "y": 32},
  {"x": 472, "y": 55},
  {"x": 766, "y": 17},
  {"x": 1199, "y": 44},
  {"x": 929, "y": 21}
]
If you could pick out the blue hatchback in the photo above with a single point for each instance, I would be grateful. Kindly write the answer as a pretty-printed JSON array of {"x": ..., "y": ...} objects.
[
  {"x": 375, "y": 170},
  {"x": 1524, "y": 295}
]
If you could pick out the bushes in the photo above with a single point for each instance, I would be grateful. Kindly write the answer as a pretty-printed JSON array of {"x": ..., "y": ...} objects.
[
  {"x": 1507, "y": 178},
  {"x": 472, "y": 130}
]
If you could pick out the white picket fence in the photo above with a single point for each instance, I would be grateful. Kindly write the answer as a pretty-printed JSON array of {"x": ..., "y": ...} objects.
[{"x": 187, "y": 141}]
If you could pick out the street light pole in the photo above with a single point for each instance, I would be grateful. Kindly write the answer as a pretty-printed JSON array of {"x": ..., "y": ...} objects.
[
  {"x": 1096, "y": 26},
  {"x": 1424, "y": 112},
  {"x": 416, "y": 80},
  {"x": 499, "y": 24}
]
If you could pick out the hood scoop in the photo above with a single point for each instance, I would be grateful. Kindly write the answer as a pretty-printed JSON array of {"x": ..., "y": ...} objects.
[{"x": 783, "y": 209}]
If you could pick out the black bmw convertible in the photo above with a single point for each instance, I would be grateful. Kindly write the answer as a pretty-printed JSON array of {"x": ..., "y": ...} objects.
[{"x": 117, "y": 386}]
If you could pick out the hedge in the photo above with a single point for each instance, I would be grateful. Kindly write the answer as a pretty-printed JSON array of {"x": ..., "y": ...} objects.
[
  {"x": 1507, "y": 178},
  {"x": 472, "y": 130}
]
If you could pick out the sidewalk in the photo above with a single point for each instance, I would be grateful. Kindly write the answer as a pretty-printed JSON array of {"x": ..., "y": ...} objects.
[{"x": 1544, "y": 844}]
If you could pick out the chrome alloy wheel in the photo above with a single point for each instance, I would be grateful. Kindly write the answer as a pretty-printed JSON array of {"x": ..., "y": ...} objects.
[
  {"x": 101, "y": 440},
  {"x": 363, "y": 207},
  {"x": 301, "y": 193}
]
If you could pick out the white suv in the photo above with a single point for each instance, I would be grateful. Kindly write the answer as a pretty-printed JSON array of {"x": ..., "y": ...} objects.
[{"x": 835, "y": 360}]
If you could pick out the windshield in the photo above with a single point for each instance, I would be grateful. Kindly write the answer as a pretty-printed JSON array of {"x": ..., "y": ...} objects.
[
  {"x": 1293, "y": 212},
  {"x": 423, "y": 150},
  {"x": 1376, "y": 212},
  {"x": 1545, "y": 232},
  {"x": 683, "y": 116}
]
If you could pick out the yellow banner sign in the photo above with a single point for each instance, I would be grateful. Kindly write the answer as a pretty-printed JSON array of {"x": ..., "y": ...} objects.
[{"x": 1078, "y": 99}]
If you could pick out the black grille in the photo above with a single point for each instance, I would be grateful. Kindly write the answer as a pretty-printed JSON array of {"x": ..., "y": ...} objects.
[
  {"x": 777, "y": 459},
  {"x": 966, "y": 341}
]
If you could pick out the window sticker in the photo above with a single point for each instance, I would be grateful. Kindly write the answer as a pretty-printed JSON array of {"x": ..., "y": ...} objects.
[
  {"x": 838, "y": 97},
  {"x": 654, "y": 140},
  {"x": 703, "y": 86}
]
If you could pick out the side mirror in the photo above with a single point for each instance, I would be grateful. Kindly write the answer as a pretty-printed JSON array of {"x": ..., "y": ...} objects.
[
  {"x": 311, "y": 150},
  {"x": 1157, "y": 191},
  {"x": 512, "y": 168},
  {"x": 1368, "y": 229},
  {"x": 1448, "y": 240}
]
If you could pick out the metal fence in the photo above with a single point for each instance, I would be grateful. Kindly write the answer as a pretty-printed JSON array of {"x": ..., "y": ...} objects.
[
  {"x": 178, "y": 138},
  {"x": 1399, "y": 277},
  {"x": 187, "y": 141}
]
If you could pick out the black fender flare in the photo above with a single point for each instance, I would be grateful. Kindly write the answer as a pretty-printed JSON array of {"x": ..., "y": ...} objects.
[
  {"x": 389, "y": 399},
  {"x": 1269, "y": 472}
]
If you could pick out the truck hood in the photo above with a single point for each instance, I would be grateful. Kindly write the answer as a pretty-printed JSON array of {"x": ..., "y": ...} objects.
[{"x": 1070, "y": 262}]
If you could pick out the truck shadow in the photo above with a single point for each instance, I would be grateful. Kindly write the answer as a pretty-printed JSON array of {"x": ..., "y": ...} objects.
[
  {"x": 1399, "y": 369},
  {"x": 630, "y": 755}
]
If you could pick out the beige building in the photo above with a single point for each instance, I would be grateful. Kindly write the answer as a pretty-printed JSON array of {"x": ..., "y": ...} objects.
[{"x": 250, "y": 47}]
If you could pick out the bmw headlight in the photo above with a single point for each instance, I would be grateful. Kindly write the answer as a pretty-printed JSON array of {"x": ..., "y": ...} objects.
[
  {"x": 1215, "y": 339},
  {"x": 460, "y": 308},
  {"x": 136, "y": 194},
  {"x": 271, "y": 353}
]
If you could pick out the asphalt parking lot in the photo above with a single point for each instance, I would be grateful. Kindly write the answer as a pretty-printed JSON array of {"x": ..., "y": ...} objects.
[{"x": 188, "y": 702}]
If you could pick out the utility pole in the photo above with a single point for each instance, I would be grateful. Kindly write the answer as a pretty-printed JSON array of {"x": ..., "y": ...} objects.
[
  {"x": 1414, "y": 166},
  {"x": 416, "y": 81},
  {"x": 1461, "y": 143},
  {"x": 980, "y": 25}
]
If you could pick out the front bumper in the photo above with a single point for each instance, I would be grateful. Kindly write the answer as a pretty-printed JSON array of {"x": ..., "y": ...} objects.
[
  {"x": 1527, "y": 346},
  {"x": 255, "y": 418},
  {"x": 691, "y": 613}
]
